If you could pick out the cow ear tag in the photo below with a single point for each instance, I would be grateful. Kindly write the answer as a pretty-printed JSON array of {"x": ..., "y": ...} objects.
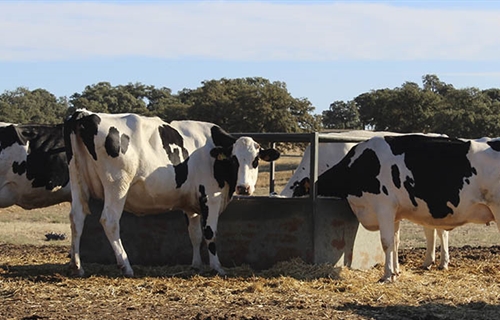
[{"x": 221, "y": 156}]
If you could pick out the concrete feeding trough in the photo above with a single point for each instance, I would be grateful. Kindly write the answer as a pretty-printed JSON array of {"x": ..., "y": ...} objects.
[{"x": 258, "y": 231}]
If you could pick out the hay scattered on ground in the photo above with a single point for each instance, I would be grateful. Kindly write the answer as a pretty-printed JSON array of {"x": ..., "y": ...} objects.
[{"x": 34, "y": 285}]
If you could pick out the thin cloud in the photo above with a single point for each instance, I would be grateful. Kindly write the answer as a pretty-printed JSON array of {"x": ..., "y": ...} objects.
[
  {"x": 494, "y": 74},
  {"x": 245, "y": 31}
]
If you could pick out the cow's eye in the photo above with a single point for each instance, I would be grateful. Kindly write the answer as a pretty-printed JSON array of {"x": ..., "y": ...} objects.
[{"x": 255, "y": 162}]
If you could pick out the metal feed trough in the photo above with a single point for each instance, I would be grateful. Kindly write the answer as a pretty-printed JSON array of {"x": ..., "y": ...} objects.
[{"x": 258, "y": 231}]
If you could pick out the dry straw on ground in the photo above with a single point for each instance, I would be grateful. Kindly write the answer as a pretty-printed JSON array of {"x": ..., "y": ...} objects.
[{"x": 34, "y": 285}]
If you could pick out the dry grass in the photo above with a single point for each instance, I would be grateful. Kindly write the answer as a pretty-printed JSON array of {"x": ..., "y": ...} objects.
[{"x": 34, "y": 285}]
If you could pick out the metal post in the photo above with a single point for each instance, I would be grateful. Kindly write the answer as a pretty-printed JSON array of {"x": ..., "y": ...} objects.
[
  {"x": 313, "y": 178},
  {"x": 313, "y": 173},
  {"x": 272, "y": 167}
]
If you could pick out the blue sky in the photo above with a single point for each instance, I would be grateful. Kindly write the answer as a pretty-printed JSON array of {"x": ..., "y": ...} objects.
[{"x": 323, "y": 50}]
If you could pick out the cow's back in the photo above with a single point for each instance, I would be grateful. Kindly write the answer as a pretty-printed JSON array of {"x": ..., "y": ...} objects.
[{"x": 144, "y": 158}]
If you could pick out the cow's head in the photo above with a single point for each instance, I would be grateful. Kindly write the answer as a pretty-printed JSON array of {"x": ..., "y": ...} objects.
[
  {"x": 237, "y": 163},
  {"x": 301, "y": 188}
]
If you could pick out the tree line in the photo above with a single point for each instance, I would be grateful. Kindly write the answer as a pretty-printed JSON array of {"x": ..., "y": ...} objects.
[
  {"x": 259, "y": 105},
  {"x": 435, "y": 107},
  {"x": 237, "y": 105}
]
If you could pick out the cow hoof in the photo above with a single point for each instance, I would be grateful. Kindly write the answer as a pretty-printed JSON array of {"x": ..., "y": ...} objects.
[
  {"x": 388, "y": 279},
  {"x": 197, "y": 267},
  {"x": 76, "y": 273},
  {"x": 127, "y": 272},
  {"x": 221, "y": 272}
]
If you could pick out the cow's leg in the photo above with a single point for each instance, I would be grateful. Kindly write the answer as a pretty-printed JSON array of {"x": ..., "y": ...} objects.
[
  {"x": 195, "y": 235},
  {"x": 110, "y": 221},
  {"x": 210, "y": 216},
  {"x": 445, "y": 253},
  {"x": 77, "y": 220},
  {"x": 430, "y": 250},
  {"x": 387, "y": 236},
  {"x": 396, "y": 248}
]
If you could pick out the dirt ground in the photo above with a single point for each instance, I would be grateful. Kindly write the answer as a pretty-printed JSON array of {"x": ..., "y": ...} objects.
[{"x": 34, "y": 285}]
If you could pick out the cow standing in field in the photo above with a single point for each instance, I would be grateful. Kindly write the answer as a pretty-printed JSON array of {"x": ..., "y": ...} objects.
[
  {"x": 33, "y": 166},
  {"x": 433, "y": 181},
  {"x": 329, "y": 154},
  {"x": 146, "y": 166}
]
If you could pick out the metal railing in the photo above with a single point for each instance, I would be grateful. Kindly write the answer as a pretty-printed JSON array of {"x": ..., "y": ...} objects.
[{"x": 313, "y": 139}]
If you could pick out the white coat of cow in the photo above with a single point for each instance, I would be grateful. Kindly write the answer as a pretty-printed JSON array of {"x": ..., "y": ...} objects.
[
  {"x": 329, "y": 154},
  {"x": 146, "y": 166},
  {"x": 433, "y": 181},
  {"x": 33, "y": 166}
]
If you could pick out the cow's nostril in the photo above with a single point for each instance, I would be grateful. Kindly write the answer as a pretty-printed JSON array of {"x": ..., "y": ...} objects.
[{"x": 243, "y": 190}]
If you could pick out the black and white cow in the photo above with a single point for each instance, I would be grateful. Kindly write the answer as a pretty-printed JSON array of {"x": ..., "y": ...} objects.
[
  {"x": 146, "y": 166},
  {"x": 329, "y": 154},
  {"x": 33, "y": 166},
  {"x": 433, "y": 181}
]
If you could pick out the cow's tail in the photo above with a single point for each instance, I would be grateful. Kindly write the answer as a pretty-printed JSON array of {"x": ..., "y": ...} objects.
[{"x": 79, "y": 190}]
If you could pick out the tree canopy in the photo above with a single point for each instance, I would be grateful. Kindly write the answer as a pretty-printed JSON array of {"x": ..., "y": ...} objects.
[
  {"x": 435, "y": 107},
  {"x": 259, "y": 105},
  {"x": 251, "y": 105},
  {"x": 237, "y": 105},
  {"x": 36, "y": 106}
]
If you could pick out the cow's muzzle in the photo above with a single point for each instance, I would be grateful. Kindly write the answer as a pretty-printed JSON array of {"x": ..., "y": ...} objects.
[{"x": 243, "y": 190}]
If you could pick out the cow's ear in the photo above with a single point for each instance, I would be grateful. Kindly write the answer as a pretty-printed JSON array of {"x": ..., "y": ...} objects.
[
  {"x": 218, "y": 153},
  {"x": 269, "y": 154}
]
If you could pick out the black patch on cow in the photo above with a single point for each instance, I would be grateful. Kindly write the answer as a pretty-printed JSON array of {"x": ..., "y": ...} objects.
[
  {"x": 343, "y": 179},
  {"x": 181, "y": 173},
  {"x": 221, "y": 138},
  {"x": 203, "y": 205},
  {"x": 187, "y": 219},
  {"x": 112, "y": 143},
  {"x": 439, "y": 167},
  {"x": 124, "y": 143},
  {"x": 301, "y": 188},
  {"x": 395, "y": 176},
  {"x": 212, "y": 248},
  {"x": 169, "y": 136},
  {"x": 225, "y": 165},
  {"x": 384, "y": 190},
  {"x": 45, "y": 165},
  {"x": 409, "y": 185},
  {"x": 255, "y": 162},
  {"x": 19, "y": 168},
  {"x": 9, "y": 135},
  {"x": 85, "y": 126},
  {"x": 495, "y": 145},
  {"x": 226, "y": 171},
  {"x": 208, "y": 233}
]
